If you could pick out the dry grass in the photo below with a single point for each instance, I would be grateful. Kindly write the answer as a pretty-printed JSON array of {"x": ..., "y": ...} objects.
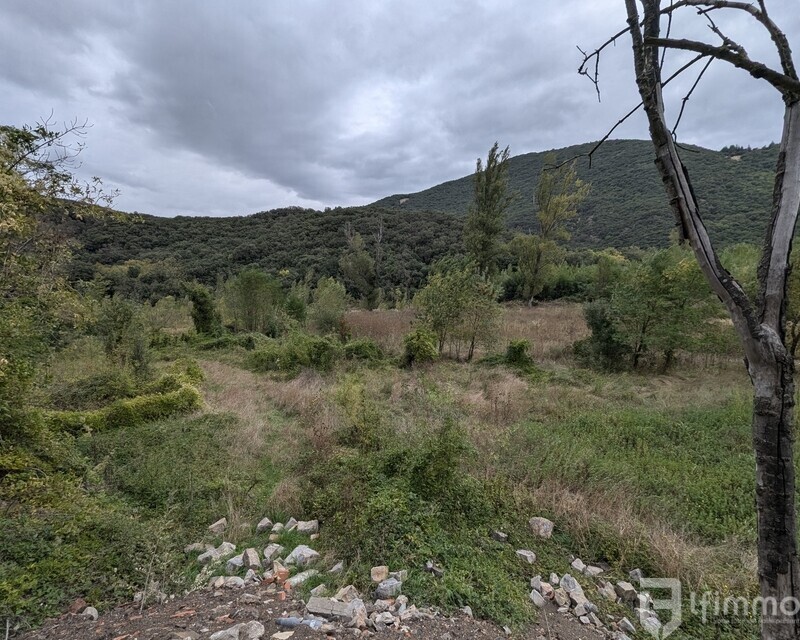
[{"x": 551, "y": 328}]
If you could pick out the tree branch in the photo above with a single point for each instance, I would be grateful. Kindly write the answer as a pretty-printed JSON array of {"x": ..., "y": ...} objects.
[{"x": 788, "y": 86}]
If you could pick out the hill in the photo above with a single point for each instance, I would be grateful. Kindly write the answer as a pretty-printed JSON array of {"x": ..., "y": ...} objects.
[{"x": 627, "y": 206}]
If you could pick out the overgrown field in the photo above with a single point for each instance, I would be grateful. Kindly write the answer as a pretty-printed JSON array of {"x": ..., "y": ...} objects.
[{"x": 402, "y": 464}]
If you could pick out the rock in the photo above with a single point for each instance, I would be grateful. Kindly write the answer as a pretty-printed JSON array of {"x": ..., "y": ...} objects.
[
  {"x": 541, "y": 527},
  {"x": 379, "y": 574},
  {"x": 547, "y": 590},
  {"x": 577, "y": 599},
  {"x": 636, "y": 575},
  {"x": 250, "y": 559},
  {"x": 234, "y": 582},
  {"x": 436, "y": 570},
  {"x": 347, "y": 594},
  {"x": 384, "y": 618},
  {"x": 388, "y": 588},
  {"x": 595, "y": 620},
  {"x": 282, "y": 635},
  {"x": 570, "y": 584},
  {"x": 308, "y": 527},
  {"x": 280, "y": 572},
  {"x": 319, "y": 590},
  {"x": 328, "y": 608},
  {"x": 578, "y": 565},
  {"x": 300, "y": 578},
  {"x": 538, "y": 599},
  {"x": 216, "y": 582},
  {"x": 644, "y": 601},
  {"x": 652, "y": 626},
  {"x": 580, "y": 610},
  {"x": 251, "y": 577},
  {"x": 337, "y": 568},
  {"x": 265, "y": 524},
  {"x": 527, "y": 556},
  {"x": 302, "y": 556},
  {"x": 358, "y": 614},
  {"x": 272, "y": 551},
  {"x": 499, "y": 536},
  {"x": 412, "y": 613},
  {"x": 627, "y": 626},
  {"x": 554, "y": 579},
  {"x": 621, "y": 636},
  {"x": 626, "y": 591},
  {"x": 536, "y": 583},
  {"x": 401, "y": 575},
  {"x": 252, "y": 630},
  {"x": 232, "y": 633},
  {"x": 314, "y": 536},
  {"x": 195, "y": 547},
  {"x": 250, "y": 598},
  {"x": 291, "y": 525},
  {"x": 90, "y": 613},
  {"x": 592, "y": 571},
  {"x": 184, "y": 635},
  {"x": 584, "y": 619},
  {"x": 233, "y": 565},
  {"x": 274, "y": 537},
  {"x": 277, "y": 528},
  {"x": 219, "y": 526},
  {"x": 561, "y": 597},
  {"x": 467, "y": 610},
  {"x": 606, "y": 589}
]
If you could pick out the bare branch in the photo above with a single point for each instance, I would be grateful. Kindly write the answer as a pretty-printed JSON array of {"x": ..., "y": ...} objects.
[
  {"x": 778, "y": 37},
  {"x": 689, "y": 95},
  {"x": 788, "y": 86},
  {"x": 594, "y": 75}
]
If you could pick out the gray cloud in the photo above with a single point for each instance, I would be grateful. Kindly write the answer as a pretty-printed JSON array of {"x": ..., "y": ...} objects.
[{"x": 221, "y": 108}]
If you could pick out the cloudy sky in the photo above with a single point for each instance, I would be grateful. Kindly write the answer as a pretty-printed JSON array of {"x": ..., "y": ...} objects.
[{"x": 229, "y": 107}]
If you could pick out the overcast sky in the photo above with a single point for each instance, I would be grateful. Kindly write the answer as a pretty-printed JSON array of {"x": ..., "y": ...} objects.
[{"x": 232, "y": 107}]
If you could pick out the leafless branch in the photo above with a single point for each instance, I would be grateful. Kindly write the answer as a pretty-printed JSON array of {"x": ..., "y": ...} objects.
[
  {"x": 689, "y": 95},
  {"x": 594, "y": 75}
]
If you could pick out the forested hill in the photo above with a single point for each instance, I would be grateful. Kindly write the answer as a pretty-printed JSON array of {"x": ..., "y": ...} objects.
[{"x": 627, "y": 205}]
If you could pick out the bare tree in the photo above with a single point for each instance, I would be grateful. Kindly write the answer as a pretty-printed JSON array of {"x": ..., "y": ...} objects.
[{"x": 760, "y": 323}]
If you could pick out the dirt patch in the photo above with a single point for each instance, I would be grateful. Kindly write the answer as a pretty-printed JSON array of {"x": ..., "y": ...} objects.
[{"x": 205, "y": 613}]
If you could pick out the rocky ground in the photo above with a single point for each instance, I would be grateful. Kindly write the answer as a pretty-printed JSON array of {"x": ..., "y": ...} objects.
[{"x": 254, "y": 595}]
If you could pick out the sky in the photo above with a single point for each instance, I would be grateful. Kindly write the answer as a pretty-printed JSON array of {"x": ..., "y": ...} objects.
[{"x": 231, "y": 107}]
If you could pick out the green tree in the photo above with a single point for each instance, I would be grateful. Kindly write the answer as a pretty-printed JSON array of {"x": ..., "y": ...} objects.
[
  {"x": 359, "y": 270},
  {"x": 559, "y": 193},
  {"x": 253, "y": 300},
  {"x": 459, "y": 306},
  {"x": 328, "y": 306},
  {"x": 205, "y": 316},
  {"x": 486, "y": 219}
]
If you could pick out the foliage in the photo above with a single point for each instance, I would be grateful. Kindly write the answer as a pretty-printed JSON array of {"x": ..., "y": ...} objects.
[
  {"x": 360, "y": 270},
  {"x": 205, "y": 316},
  {"x": 605, "y": 347},
  {"x": 517, "y": 353},
  {"x": 363, "y": 349},
  {"x": 459, "y": 306},
  {"x": 486, "y": 217},
  {"x": 93, "y": 391},
  {"x": 252, "y": 301},
  {"x": 328, "y": 306},
  {"x": 559, "y": 193},
  {"x": 298, "y": 350},
  {"x": 419, "y": 347}
]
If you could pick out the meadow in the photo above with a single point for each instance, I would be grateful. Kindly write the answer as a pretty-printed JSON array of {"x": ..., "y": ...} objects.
[{"x": 406, "y": 464}]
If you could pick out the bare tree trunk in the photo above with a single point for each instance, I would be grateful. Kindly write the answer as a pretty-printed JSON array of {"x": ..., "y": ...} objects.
[
  {"x": 773, "y": 441},
  {"x": 761, "y": 327}
]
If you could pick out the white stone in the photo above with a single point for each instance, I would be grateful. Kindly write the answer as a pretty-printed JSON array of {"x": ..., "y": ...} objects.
[
  {"x": 219, "y": 526},
  {"x": 526, "y": 555},
  {"x": 265, "y": 524},
  {"x": 541, "y": 527}
]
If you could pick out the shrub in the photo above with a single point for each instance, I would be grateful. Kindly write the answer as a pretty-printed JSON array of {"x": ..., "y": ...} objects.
[
  {"x": 363, "y": 349},
  {"x": 205, "y": 316},
  {"x": 92, "y": 391},
  {"x": 605, "y": 347},
  {"x": 517, "y": 353},
  {"x": 297, "y": 351},
  {"x": 328, "y": 306},
  {"x": 419, "y": 347}
]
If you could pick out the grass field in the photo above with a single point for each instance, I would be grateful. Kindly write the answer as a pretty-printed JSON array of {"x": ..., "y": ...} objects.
[{"x": 403, "y": 465}]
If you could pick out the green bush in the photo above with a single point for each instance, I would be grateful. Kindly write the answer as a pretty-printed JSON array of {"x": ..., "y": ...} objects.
[
  {"x": 363, "y": 349},
  {"x": 605, "y": 347},
  {"x": 294, "y": 352},
  {"x": 92, "y": 391},
  {"x": 517, "y": 353},
  {"x": 419, "y": 347},
  {"x": 126, "y": 413}
]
